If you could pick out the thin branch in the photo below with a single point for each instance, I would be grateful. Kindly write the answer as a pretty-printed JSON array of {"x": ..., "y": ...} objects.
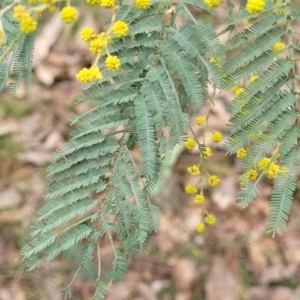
[
  {"x": 99, "y": 260},
  {"x": 73, "y": 279},
  {"x": 10, "y": 47},
  {"x": 7, "y": 8}
]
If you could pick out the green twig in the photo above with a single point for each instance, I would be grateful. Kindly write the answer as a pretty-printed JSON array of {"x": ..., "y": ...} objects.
[
  {"x": 7, "y": 8},
  {"x": 10, "y": 47}
]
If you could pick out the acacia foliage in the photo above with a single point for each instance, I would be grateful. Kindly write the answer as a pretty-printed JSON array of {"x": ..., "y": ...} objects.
[{"x": 96, "y": 188}]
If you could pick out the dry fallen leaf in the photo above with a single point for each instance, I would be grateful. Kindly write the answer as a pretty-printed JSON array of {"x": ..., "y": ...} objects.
[
  {"x": 223, "y": 281},
  {"x": 9, "y": 198},
  {"x": 47, "y": 38}
]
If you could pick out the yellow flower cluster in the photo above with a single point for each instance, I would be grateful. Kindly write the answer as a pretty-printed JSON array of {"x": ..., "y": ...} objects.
[
  {"x": 200, "y": 120},
  {"x": 214, "y": 62},
  {"x": 142, "y": 4},
  {"x": 98, "y": 45},
  {"x": 93, "y": 2},
  {"x": 278, "y": 47},
  {"x": 253, "y": 78},
  {"x": 213, "y": 180},
  {"x": 263, "y": 163},
  {"x": 112, "y": 63},
  {"x": 239, "y": 91},
  {"x": 234, "y": 89},
  {"x": 2, "y": 37},
  {"x": 52, "y": 8},
  {"x": 120, "y": 28},
  {"x": 217, "y": 137},
  {"x": 108, "y": 3},
  {"x": 68, "y": 14},
  {"x": 87, "y": 75},
  {"x": 255, "y": 6},
  {"x": 20, "y": 12},
  {"x": 243, "y": 181},
  {"x": 200, "y": 227},
  {"x": 199, "y": 199},
  {"x": 27, "y": 24},
  {"x": 273, "y": 170},
  {"x": 190, "y": 144},
  {"x": 106, "y": 37},
  {"x": 193, "y": 170},
  {"x": 97, "y": 42},
  {"x": 241, "y": 153},
  {"x": 252, "y": 174},
  {"x": 212, "y": 3},
  {"x": 104, "y": 3},
  {"x": 207, "y": 153},
  {"x": 190, "y": 189},
  {"x": 87, "y": 34},
  {"x": 210, "y": 219}
]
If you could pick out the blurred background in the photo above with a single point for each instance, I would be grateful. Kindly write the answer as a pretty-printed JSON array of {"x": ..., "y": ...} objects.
[{"x": 233, "y": 260}]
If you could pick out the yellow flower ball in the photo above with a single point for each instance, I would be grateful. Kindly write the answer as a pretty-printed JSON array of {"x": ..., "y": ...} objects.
[
  {"x": 20, "y": 12},
  {"x": 87, "y": 34},
  {"x": 190, "y": 144},
  {"x": 106, "y": 38},
  {"x": 239, "y": 91},
  {"x": 199, "y": 199},
  {"x": 200, "y": 227},
  {"x": 194, "y": 170},
  {"x": 255, "y": 6},
  {"x": 213, "y": 180},
  {"x": 234, "y": 89},
  {"x": 217, "y": 137},
  {"x": 263, "y": 163},
  {"x": 241, "y": 153},
  {"x": 120, "y": 28},
  {"x": 68, "y": 14},
  {"x": 212, "y": 3},
  {"x": 252, "y": 174},
  {"x": 200, "y": 120},
  {"x": 272, "y": 171},
  {"x": 2, "y": 38},
  {"x": 142, "y": 4},
  {"x": 112, "y": 63},
  {"x": 108, "y": 3},
  {"x": 214, "y": 62},
  {"x": 210, "y": 219},
  {"x": 52, "y": 9},
  {"x": 93, "y": 2},
  {"x": 253, "y": 78},
  {"x": 278, "y": 47},
  {"x": 207, "y": 153},
  {"x": 87, "y": 75},
  {"x": 190, "y": 189},
  {"x": 243, "y": 182},
  {"x": 98, "y": 45},
  {"x": 28, "y": 25}
]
